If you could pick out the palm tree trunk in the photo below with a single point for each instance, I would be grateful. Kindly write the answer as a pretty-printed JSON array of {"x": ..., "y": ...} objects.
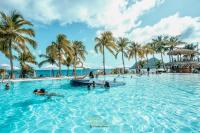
[
  {"x": 59, "y": 63},
  {"x": 52, "y": 72},
  {"x": 75, "y": 71},
  {"x": 74, "y": 67},
  {"x": 67, "y": 71},
  {"x": 136, "y": 61},
  {"x": 104, "y": 69},
  {"x": 123, "y": 61},
  {"x": 162, "y": 61},
  {"x": 154, "y": 59},
  {"x": 147, "y": 59},
  {"x": 11, "y": 59}
]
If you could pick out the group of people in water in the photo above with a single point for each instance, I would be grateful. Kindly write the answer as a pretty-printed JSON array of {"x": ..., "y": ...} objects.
[
  {"x": 138, "y": 71},
  {"x": 40, "y": 92},
  {"x": 93, "y": 84}
]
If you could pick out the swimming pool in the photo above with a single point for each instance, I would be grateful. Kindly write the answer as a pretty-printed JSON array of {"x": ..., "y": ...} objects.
[{"x": 155, "y": 103}]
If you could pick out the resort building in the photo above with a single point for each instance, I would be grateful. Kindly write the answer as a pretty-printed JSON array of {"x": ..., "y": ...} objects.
[{"x": 183, "y": 60}]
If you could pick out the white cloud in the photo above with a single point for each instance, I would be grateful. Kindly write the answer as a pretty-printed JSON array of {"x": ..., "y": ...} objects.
[
  {"x": 187, "y": 27},
  {"x": 118, "y": 16}
]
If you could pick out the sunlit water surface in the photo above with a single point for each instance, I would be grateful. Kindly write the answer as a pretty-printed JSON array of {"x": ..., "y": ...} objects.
[{"x": 156, "y": 103}]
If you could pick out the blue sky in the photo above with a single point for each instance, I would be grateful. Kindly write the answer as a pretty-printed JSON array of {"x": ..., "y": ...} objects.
[{"x": 139, "y": 20}]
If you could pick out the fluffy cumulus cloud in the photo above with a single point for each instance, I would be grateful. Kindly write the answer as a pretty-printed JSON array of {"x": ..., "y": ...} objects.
[
  {"x": 186, "y": 27},
  {"x": 119, "y": 16}
]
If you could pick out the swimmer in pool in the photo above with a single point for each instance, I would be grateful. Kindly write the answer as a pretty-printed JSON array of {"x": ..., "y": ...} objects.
[
  {"x": 93, "y": 84},
  {"x": 7, "y": 86},
  {"x": 39, "y": 91},
  {"x": 107, "y": 85},
  {"x": 43, "y": 92}
]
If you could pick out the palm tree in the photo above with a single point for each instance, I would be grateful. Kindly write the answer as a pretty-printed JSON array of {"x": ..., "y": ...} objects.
[
  {"x": 105, "y": 40},
  {"x": 122, "y": 44},
  {"x": 24, "y": 58},
  {"x": 153, "y": 47},
  {"x": 68, "y": 61},
  {"x": 48, "y": 58},
  {"x": 79, "y": 53},
  {"x": 16, "y": 34},
  {"x": 147, "y": 50},
  {"x": 158, "y": 64},
  {"x": 172, "y": 43},
  {"x": 4, "y": 49},
  {"x": 141, "y": 53},
  {"x": 133, "y": 51},
  {"x": 161, "y": 46},
  {"x": 191, "y": 46},
  {"x": 60, "y": 48}
]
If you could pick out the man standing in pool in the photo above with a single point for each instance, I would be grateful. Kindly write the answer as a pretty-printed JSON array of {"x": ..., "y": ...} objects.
[
  {"x": 7, "y": 86},
  {"x": 148, "y": 70}
]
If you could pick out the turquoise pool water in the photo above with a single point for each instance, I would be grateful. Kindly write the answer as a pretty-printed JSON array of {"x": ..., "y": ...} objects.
[{"x": 156, "y": 103}]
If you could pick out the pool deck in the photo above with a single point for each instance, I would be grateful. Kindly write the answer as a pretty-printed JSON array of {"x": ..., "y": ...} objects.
[
  {"x": 42, "y": 78},
  {"x": 34, "y": 79}
]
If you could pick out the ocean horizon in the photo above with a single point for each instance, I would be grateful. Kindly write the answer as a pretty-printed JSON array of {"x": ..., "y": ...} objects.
[{"x": 48, "y": 73}]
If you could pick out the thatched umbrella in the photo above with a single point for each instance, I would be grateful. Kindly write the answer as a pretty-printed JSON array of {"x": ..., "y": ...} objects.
[
  {"x": 184, "y": 64},
  {"x": 182, "y": 52}
]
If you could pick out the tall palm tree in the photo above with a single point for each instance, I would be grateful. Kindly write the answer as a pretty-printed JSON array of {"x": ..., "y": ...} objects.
[
  {"x": 153, "y": 47},
  {"x": 61, "y": 47},
  {"x": 16, "y": 33},
  {"x": 172, "y": 43},
  {"x": 122, "y": 44},
  {"x": 24, "y": 58},
  {"x": 141, "y": 53},
  {"x": 105, "y": 40},
  {"x": 161, "y": 46},
  {"x": 68, "y": 62},
  {"x": 50, "y": 59},
  {"x": 79, "y": 53},
  {"x": 133, "y": 51},
  {"x": 147, "y": 50},
  {"x": 191, "y": 46}
]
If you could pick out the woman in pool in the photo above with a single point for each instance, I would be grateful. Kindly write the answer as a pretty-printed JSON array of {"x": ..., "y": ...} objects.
[
  {"x": 7, "y": 86},
  {"x": 91, "y": 75},
  {"x": 39, "y": 91},
  {"x": 107, "y": 85},
  {"x": 43, "y": 92}
]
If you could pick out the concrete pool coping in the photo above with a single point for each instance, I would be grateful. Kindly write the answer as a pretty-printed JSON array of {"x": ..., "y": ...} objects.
[
  {"x": 65, "y": 77},
  {"x": 34, "y": 79}
]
